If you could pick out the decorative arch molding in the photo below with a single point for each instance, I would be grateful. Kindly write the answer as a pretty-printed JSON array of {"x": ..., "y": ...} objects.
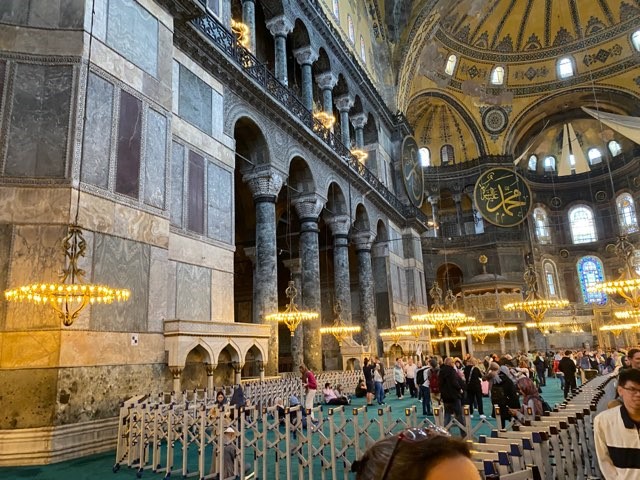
[
  {"x": 184, "y": 352},
  {"x": 234, "y": 347},
  {"x": 461, "y": 110},
  {"x": 259, "y": 347}
]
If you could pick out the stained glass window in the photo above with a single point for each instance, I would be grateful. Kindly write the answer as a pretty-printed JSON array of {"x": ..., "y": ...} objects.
[
  {"x": 447, "y": 155},
  {"x": 550, "y": 163},
  {"x": 590, "y": 272},
  {"x": 566, "y": 68},
  {"x": 626, "y": 213},
  {"x": 635, "y": 39},
  {"x": 542, "y": 225},
  {"x": 594, "y": 156},
  {"x": 583, "y": 228}
]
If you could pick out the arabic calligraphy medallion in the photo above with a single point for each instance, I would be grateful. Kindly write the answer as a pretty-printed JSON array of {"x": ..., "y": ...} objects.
[
  {"x": 502, "y": 197},
  {"x": 412, "y": 171}
]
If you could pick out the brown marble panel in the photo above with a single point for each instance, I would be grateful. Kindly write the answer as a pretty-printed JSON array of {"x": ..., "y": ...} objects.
[
  {"x": 195, "y": 197},
  {"x": 27, "y": 410},
  {"x": 5, "y": 249},
  {"x": 129, "y": 143}
]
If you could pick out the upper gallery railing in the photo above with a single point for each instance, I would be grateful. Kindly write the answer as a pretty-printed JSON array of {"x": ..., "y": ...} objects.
[{"x": 226, "y": 41}]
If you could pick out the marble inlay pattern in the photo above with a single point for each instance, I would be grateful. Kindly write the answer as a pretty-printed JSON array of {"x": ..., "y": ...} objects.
[
  {"x": 155, "y": 159},
  {"x": 158, "y": 272},
  {"x": 220, "y": 208},
  {"x": 27, "y": 411},
  {"x": 195, "y": 100},
  {"x": 43, "y": 14},
  {"x": 177, "y": 183},
  {"x": 123, "y": 263},
  {"x": 193, "y": 292},
  {"x": 97, "y": 137},
  {"x": 40, "y": 110}
]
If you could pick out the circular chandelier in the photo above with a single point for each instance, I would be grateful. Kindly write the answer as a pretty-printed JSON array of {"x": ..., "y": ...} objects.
[
  {"x": 618, "y": 328},
  {"x": 502, "y": 330},
  {"x": 339, "y": 329},
  {"x": 628, "y": 284},
  {"x": 394, "y": 335},
  {"x": 360, "y": 154},
  {"x": 416, "y": 329},
  {"x": 627, "y": 314},
  {"x": 291, "y": 316},
  {"x": 534, "y": 305},
  {"x": 69, "y": 297},
  {"x": 479, "y": 332},
  {"x": 454, "y": 339},
  {"x": 442, "y": 315}
]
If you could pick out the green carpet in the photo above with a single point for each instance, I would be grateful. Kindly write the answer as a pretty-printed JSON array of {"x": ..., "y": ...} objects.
[{"x": 96, "y": 467}]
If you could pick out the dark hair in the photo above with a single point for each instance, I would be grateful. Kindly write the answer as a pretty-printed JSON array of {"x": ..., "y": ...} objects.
[
  {"x": 411, "y": 460},
  {"x": 366, "y": 361},
  {"x": 628, "y": 375},
  {"x": 567, "y": 352},
  {"x": 632, "y": 352},
  {"x": 326, "y": 385}
]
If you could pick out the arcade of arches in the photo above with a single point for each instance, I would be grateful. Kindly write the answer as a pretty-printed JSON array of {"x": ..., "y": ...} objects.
[{"x": 204, "y": 181}]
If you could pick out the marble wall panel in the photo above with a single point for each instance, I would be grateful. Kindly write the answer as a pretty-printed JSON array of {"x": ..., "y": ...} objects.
[
  {"x": 30, "y": 349},
  {"x": 158, "y": 289},
  {"x": 220, "y": 207},
  {"x": 222, "y": 296},
  {"x": 36, "y": 257},
  {"x": 99, "y": 19},
  {"x": 194, "y": 103},
  {"x": 175, "y": 85},
  {"x": 56, "y": 13},
  {"x": 193, "y": 292},
  {"x": 5, "y": 252},
  {"x": 34, "y": 205},
  {"x": 188, "y": 250},
  {"x": 177, "y": 183},
  {"x": 144, "y": 227},
  {"x": 195, "y": 193},
  {"x": 129, "y": 145},
  {"x": 97, "y": 139},
  {"x": 122, "y": 263},
  {"x": 217, "y": 112},
  {"x": 14, "y": 12},
  {"x": 27, "y": 411},
  {"x": 37, "y": 140},
  {"x": 171, "y": 289},
  {"x": 133, "y": 32},
  {"x": 155, "y": 159},
  {"x": 93, "y": 393}
]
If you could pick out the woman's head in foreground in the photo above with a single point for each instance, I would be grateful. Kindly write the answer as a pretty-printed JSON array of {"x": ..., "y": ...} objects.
[{"x": 417, "y": 454}]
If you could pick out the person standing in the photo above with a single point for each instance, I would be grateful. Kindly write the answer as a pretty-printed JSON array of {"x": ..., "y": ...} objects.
[
  {"x": 378, "y": 381},
  {"x": 568, "y": 367},
  {"x": 634, "y": 357},
  {"x": 422, "y": 379},
  {"x": 541, "y": 366},
  {"x": 503, "y": 392},
  {"x": 410, "y": 375},
  {"x": 451, "y": 391},
  {"x": 616, "y": 431},
  {"x": 398, "y": 378},
  {"x": 473, "y": 375},
  {"x": 367, "y": 371},
  {"x": 310, "y": 386},
  {"x": 434, "y": 383}
]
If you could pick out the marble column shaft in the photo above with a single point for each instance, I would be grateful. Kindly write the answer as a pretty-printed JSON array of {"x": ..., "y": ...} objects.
[
  {"x": 457, "y": 198},
  {"x": 326, "y": 81},
  {"x": 297, "y": 340},
  {"x": 344, "y": 104},
  {"x": 358, "y": 121},
  {"x": 367, "y": 296},
  {"x": 433, "y": 200},
  {"x": 249, "y": 19},
  {"x": 265, "y": 183},
  {"x": 470, "y": 343},
  {"x": 305, "y": 57},
  {"x": 280, "y": 28},
  {"x": 339, "y": 226},
  {"x": 525, "y": 338},
  {"x": 308, "y": 208}
]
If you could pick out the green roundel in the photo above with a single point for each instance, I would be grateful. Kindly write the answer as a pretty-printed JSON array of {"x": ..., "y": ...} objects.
[
  {"x": 502, "y": 197},
  {"x": 412, "y": 171}
]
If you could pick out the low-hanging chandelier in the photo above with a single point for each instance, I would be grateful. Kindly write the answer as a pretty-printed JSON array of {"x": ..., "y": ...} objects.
[
  {"x": 479, "y": 332},
  {"x": 69, "y": 297},
  {"x": 454, "y": 339},
  {"x": 291, "y": 316},
  {"x": 618, "y": 328},
  {"x": 442, "y": 315},
  {"x": 339, "y": 329},
  {"x": 628, "y": 284},
  {"x": 535, "y": 305}
]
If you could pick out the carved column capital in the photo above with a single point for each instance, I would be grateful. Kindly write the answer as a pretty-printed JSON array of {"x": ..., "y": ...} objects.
[
  {"x": 308, "y": 206},
  {"x": 359, "y": 120},
  {"x": 264, "y": 182},
  {"x": 294, "y": 265},
  {"x": 433, "y": 199},
  {"x": 326, "y": 80},
  {"x": 363, "y": 240},
  {"x": 344, "y": 103},
  {"x": 305, "y": 55},
  {"x": 339, "y": 224},
  {"x": 210, "y": 367},
  {"x": 457, "y": 197},
  {"x": 279, "y": 26},
  {"x": 176, "y": 372}
]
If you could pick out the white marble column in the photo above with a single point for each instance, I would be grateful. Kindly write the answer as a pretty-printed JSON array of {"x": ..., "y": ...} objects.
[
  {"x": 457, "y": 198},
  {"x": 363, "y": 241},
  {"x": 308, "y": 207},
  {"x": 265, "y": 183}
]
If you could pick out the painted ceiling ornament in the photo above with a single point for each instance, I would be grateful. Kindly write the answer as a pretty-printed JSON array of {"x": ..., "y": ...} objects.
[
  {"x": 502, "y": 197},
  {"x": 494, "y": 120}
]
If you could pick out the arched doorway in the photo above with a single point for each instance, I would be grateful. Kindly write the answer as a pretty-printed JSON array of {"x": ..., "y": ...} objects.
[
  {"x": 194, "y": 374},
  {"x": 252, "y": 363},
  {"x": 450, "y": 276}
]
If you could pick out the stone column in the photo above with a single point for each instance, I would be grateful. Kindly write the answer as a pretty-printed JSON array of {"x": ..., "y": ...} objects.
[
  {"x": 176, "y": 373},
  {"x": 210, "y": 369},
  {"x": 470, "y": 343},
  {"x": 295, "y": 267},
  {"x": 457, "y": 198},
  {"x": 265, "y": 183},
  {"x": 359, "y": 120},
  {"x": 237, "y": 369},
  {"x": 503, "y": 345},
  {"x": 340, "y": 225},
  {"x": 525, "y": 338},
  {"x": 447, "y": 348},
  {"x": 262, "y": 372},
  {"x": 363, "y": 241},
  {"x": 463, "y": 347},
  {"x": 434, "y": 200},
  {"x": 249, "y": 19},
  {"x": 344, "y": 104},
  {"x": 308, "y": 207},
  {"x": 326, "y": 81},
  {"x": 305, "y": 56},
  {"x": 280, "y": 27}
]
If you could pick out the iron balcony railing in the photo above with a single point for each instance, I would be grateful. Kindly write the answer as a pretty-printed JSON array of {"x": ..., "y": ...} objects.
[{"x": 226, "y": 42}]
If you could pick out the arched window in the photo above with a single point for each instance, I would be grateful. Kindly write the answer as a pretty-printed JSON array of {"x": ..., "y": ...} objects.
[
  {"x": 451, "y": 65},
  {"x": 336, "y": 9},
  {"x": 626, "y": 213},
  {"x": 550, "y": 163},
  {"x": 533, "y": 163},
  {"x": 363, "y": 53},
  {"x": 583, "y": 228},
  {"x": 446, "y": 155},
  {"x": 425, "y": 157},
  {"x": 590, "y": 272},
  {"x": 594, "y": 156},
  {"x": 635, "y": 40},
  {"x": 352, "y": 34},
  {"x": 551, "y": 278},
  {"x": 497, "y": 75},
  {"x": 614, "y": 148},
  {"x": 566, "y": 68},
  {"x": 541, "y": 221}
]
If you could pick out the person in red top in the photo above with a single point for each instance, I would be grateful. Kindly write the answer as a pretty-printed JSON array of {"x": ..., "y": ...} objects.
[{"x": 310, "y": 386}]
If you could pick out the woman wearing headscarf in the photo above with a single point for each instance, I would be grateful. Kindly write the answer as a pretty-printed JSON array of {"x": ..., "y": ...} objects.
[
  {"x": 530, "y": 399},
  {"x": 503, "y": 391}
]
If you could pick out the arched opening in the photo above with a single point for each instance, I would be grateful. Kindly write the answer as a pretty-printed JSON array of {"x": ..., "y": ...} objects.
[
  {"x": 194, "y": 374},
  {"x": 450, "y": 276},
  {"x": 252, "y": 363},
  {"x": 224, "y": 373},
  {"x": 353, "y": 365},
  {"x": 299, "y": 38}
]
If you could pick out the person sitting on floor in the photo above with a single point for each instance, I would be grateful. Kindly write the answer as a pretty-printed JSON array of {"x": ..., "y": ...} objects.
[
  {"x": 330, "y": 396},
  {"x": 361, "y": 389}
]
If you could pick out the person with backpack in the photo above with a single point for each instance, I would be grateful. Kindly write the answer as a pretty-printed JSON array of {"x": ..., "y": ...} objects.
[
  {"x": 473, "y": 377},
  {"x": 434, "y": 383},
  {"x": 422, "y": 381},
  {"x": 503, "y": 392}
]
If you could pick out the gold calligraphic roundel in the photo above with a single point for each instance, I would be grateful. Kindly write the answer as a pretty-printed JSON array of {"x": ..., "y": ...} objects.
[
  {"x": 502, "y": 197},
  {"x": 412, "y": 171}
]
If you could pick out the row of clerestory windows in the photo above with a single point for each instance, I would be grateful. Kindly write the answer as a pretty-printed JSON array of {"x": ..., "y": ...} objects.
[{"x": 594, "y": 156}]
